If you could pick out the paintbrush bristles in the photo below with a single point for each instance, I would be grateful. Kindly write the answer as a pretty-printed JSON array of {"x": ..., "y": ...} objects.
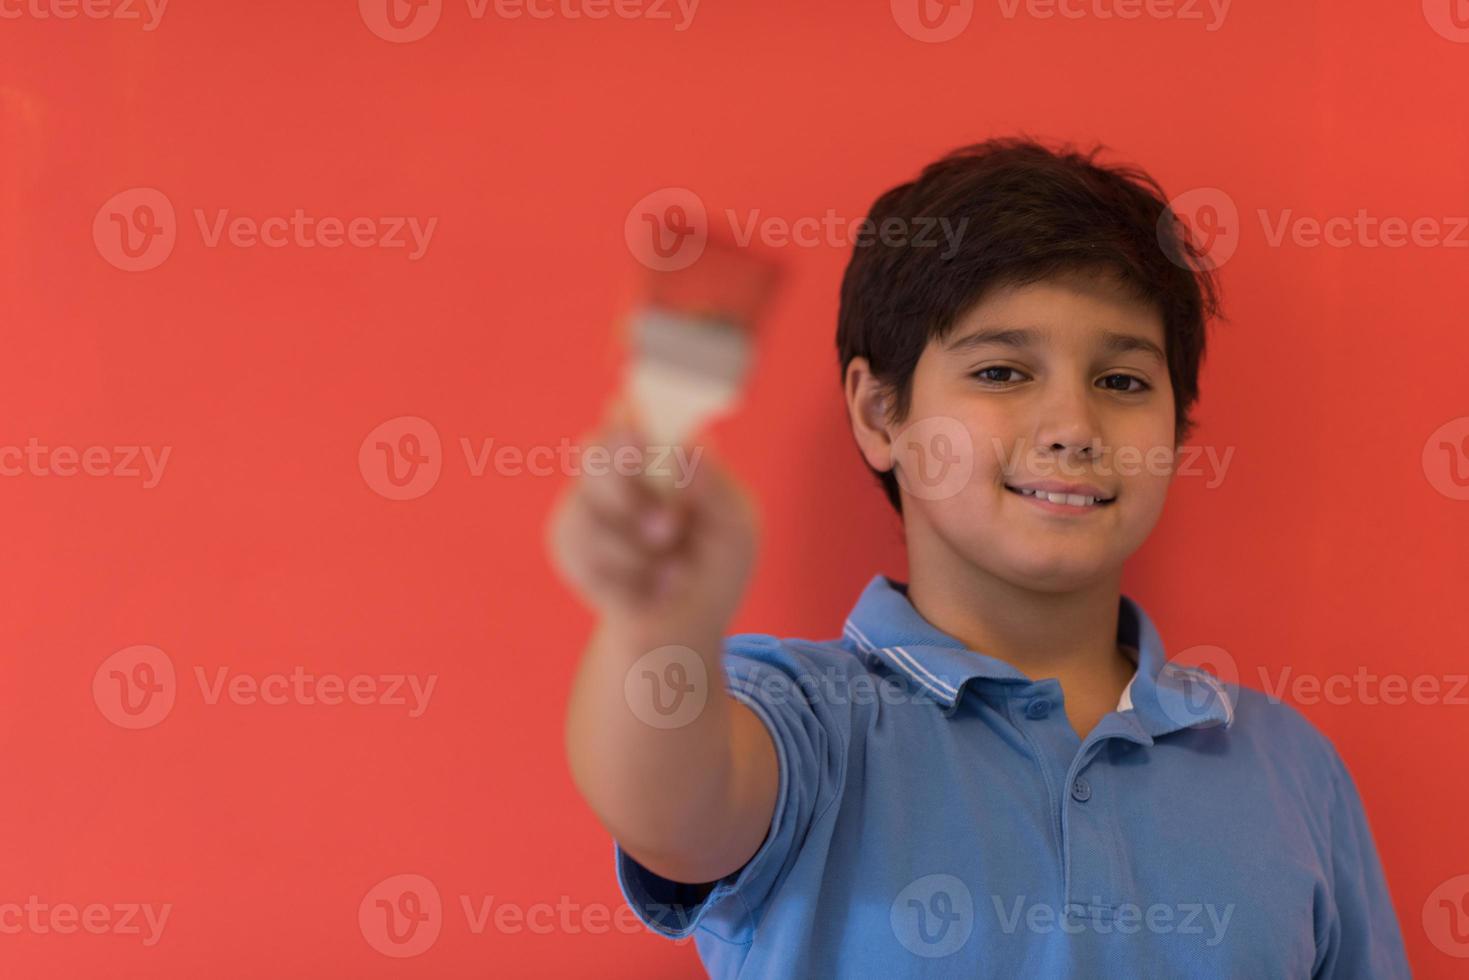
[
  {"x": 713, "y": 348},
  {"x": 690, "y": 340},
  {"x": 683, "y": 371}
]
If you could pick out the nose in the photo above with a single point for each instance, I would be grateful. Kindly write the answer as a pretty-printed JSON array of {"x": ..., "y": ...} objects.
[{"x": 1067, "y": 424}]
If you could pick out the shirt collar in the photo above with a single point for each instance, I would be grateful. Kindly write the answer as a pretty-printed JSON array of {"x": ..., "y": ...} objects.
[{"x": 1161, "y": 697}]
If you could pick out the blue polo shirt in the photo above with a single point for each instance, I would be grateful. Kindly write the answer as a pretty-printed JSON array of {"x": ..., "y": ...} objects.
[{"x": 938, "y": 817}]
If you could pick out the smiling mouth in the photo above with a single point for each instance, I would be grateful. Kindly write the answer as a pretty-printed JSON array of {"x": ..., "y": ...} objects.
[{"x": 1066, "y": 499}]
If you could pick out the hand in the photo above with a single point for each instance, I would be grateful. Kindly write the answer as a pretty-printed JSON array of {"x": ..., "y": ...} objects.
[{"x": 651, "y": 557}]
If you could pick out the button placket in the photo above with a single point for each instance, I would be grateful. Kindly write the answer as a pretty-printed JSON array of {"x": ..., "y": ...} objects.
[
  {"x": 1033, "y": 710},
  {"x": 1090, "y": 885}
]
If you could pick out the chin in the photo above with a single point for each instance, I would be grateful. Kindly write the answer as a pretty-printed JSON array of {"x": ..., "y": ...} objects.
[{"x": 1058, "y": 570}]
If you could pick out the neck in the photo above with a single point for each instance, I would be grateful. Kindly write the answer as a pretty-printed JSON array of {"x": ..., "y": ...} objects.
[{"x": 1041, "y": 634}]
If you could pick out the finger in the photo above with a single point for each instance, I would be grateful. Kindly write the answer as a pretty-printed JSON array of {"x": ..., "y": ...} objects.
[
  {"x": 613, "y": 552},
  {"x": 605, "y": 570},
  {"x": 612, "y": 548},
  {"x": 634, "y": 514},
  {"x": 715, "y": 497},
  {"x": 613, "y": 496},
  {"x": 613, "y": 461}
]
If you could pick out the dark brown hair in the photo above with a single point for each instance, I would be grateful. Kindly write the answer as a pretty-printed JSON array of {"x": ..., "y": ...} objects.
[{"x": 1023, "y": 213}]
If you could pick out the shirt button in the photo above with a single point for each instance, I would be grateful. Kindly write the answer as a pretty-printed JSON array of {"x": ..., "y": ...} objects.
[
  {"x": 1081, "y": 790},
  {"x": 1038, "y": 708}
]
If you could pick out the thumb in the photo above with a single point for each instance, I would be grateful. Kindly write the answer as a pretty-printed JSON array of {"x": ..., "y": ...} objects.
[
  {"x": 704, "y": 479},
  {"x": 716, "y": 494}
]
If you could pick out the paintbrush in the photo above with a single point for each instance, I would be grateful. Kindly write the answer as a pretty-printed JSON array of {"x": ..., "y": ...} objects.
[{"x": 691, "y": 343}]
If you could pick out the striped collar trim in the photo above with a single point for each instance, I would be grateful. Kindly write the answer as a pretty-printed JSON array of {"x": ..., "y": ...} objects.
[{"x": 1163, "y": 697}]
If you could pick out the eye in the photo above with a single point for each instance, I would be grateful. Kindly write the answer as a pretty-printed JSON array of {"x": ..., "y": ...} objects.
[
  {"x": 983, "y": 373},
  {"x": 1144, "y": 386}
]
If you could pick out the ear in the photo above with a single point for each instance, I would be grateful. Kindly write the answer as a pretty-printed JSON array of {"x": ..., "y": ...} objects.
[{"x": 867, "y": 408}]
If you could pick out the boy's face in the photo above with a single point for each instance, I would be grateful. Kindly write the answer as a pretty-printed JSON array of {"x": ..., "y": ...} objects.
[{"x": 1073, "y": 395}]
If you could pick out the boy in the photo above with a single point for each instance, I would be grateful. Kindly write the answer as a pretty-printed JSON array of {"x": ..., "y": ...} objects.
[{"x": 994, "y": 771}]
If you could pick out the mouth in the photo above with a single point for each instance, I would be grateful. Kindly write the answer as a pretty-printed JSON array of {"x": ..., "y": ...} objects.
[{"x": 1064, "y": 503}]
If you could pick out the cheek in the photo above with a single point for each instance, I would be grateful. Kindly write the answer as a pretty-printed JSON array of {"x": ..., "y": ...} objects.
[
  {"x": 946, "y": 446},
  {"x": 935, "y": 458},
  {"x": 1145, "y": 478},
  {"x": 1147, "y": 462}
]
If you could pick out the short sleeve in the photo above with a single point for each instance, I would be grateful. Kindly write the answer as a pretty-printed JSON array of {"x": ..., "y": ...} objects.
[
  {"x": 1363, "y": 938},
  {"x": 810, "y": 745}
]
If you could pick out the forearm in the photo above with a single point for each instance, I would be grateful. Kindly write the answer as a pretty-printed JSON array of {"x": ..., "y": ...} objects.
[{"x": 664, "y": 793}]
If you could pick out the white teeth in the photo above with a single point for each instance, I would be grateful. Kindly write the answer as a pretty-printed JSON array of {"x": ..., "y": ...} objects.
[{"x": 1075, "y": 500}]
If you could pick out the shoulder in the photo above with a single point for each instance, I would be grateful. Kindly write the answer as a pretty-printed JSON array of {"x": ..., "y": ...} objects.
[
  {"x": 827, "y": 682},
  {"x": 1279, "y": 731},
  {"x": 801, "y": 660}
]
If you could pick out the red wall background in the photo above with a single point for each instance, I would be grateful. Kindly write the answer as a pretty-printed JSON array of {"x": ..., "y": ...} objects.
[{"x": 1336, "y": 543}]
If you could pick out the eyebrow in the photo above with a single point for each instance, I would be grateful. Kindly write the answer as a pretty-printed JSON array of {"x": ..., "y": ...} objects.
[{"x": 1024, "y": 338}]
